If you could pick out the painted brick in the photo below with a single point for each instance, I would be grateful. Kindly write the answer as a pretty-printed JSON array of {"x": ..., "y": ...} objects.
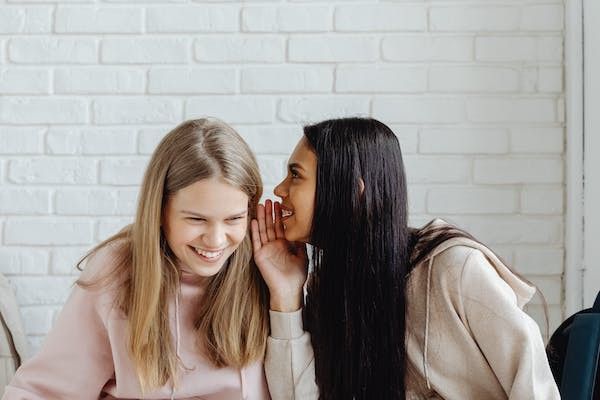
[
  {"x": 33, "y": 290},
  {"x": 423, "y": 169},
  {"x": 408, "y": 137},
  {"x": 64, "y": 260},
  {"x": 47, "y": 231},
  {"x": 314, "y": 109},
  {"x": 19, "y": 140},
  {"x": 427, "y": 48},
  {"x": 463, "y": 141},
  {"x": 192, "y": 80},
  {"x": 50, "y": 50},
  {"x": 537, "y": 140},
  {"x": 474, "y": 79},
  {"x": 518, "y": 170},
  {"x": 24, "y": 201},
  {"x": 19, "y": 19},
  {"x": 519, "y": 48},
  {"x": 468, "y": 18},
  {"x": 37, "y": 170},
  {"x": 272, "y": 168},
  {"x": 90, "y": 141},
  {"x": 468, "y": 200},
  {"x": 122, "y": 171},
  {"x": 287, "y": 19},
  {"x": 136, "y": 110},
  {"x": 419, "y": 109},
  {"x": 536, "y": 200},
  {"x": 550, "y": 80},
  {"x": 247, "y": 109},
  {"x": 37, "y": 320},
  {"x": 539, "y": 260},
  {"x": 287, "y": 79},
  {"x": 271, "y": 139},
  {"x": 245, "y": 49},
  {"x": 417, "y": 199},
  {"x": 42, "y": 110},
  {"x": 49, "y": 1},
  {"x": 369, "y": 17},
  {"x": 372, "y": 79},
  {"x": 550, "y": 287},
  {"x": 321, "y": 48},
  {"x": 148, "y": 50},
  {"x": 513, "y": 229},
  {"x": 545, "y": 17},
  {"x": 149, "y": 138},
  {"x": 109, "y": 226},
  {"x": 197, "y": 18},
  {"x": 510, "y": 109},
  {"x": 24, "y": 81},
  {"x": 96, "y": 201},
  {"x": 23, "y": 261},
  {"x": 98, "y": 19},
  {"x": 98, "y": 80}
]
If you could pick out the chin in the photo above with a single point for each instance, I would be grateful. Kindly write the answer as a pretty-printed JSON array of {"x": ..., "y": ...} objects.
[
  {"x": 206, "y": 271},
  {"x": 294, "y": 237}
]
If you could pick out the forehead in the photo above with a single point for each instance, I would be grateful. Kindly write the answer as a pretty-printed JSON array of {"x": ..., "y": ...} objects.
[
  {"x": 303, "y": 155},
  {"x": 210, "y": 197}
]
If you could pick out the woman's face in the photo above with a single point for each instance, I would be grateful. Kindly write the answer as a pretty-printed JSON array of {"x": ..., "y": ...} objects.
[
  {"x": 204, "y": 223},
  {"x": 297, "y": 192}
]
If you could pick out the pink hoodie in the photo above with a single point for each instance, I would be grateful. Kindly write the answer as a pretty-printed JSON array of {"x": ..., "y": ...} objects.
[{"x": 85, "y": 355}]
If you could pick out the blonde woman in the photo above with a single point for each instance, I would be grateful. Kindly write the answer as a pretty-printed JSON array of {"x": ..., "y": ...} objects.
[{"x": 171, "y": 307}]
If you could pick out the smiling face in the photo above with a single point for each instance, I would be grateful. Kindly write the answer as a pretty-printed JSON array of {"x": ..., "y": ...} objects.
[
  {"x": 297, "y": 192},
  {"x": 204, "y": 223}
]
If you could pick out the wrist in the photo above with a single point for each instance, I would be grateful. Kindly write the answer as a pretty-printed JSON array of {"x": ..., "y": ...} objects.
[{"x": 288, "y": 303}]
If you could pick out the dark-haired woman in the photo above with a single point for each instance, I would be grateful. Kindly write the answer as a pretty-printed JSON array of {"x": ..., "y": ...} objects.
[{"x": 391, "y": 312}]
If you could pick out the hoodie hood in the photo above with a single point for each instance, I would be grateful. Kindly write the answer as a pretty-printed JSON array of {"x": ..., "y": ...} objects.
[{"x": 523, "y": 290}]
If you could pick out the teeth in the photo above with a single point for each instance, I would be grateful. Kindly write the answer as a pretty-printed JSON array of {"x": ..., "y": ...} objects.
[
  {"x": 286, "y": 213},
  {"x": 208, "y": 254}
]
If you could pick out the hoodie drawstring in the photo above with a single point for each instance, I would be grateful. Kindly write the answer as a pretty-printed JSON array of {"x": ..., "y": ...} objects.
[
  {"x": 425, "y": 367},
  {"x": 243, "y": 383},
  {"x": 177, "y": 339}
]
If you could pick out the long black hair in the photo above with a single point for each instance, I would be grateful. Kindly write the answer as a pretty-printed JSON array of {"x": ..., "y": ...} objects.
[
  {"x": 363, "y": 252},
  {"x": 355, "y": 303}
]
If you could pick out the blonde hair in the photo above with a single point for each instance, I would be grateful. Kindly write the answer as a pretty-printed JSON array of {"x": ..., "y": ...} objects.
[{"x": 232, "y": 321}]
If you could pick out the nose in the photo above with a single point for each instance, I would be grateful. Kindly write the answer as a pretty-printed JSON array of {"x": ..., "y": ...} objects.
[
  {"x": 215, "y": 237},
  {"x": 281, "y": 190}
]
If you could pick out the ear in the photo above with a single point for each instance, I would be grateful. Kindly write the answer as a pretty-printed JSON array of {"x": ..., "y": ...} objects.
[{"x": 361, "y": 186}]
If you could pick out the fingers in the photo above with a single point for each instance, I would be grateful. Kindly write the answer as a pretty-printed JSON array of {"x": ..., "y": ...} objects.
[
  {"x": 278, "y": 224},
  {"x": 260, "y": 214},
  {"x": 269, "y": 220},
  {"x": 256, "y": 244}
]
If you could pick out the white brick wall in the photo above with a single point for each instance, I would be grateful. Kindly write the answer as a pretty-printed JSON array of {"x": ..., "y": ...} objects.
[{"x": 473, "y": 88}]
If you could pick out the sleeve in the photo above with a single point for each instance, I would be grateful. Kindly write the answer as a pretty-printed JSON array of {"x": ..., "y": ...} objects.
[
  {"x": 75, "y": 361},
  {"x": 509, "y": 339},
  {"x": 289, "y": 362}
]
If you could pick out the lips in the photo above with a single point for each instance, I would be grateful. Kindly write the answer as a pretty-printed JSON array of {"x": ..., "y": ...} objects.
[
  {"x": 209, "y": 254},
  {"x": 286, "y": 212}
]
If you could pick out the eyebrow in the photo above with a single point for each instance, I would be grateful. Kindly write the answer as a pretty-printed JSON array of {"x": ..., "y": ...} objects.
[
  {"x": 295, "y": 165},
  {"x": 195, "y": 214}
]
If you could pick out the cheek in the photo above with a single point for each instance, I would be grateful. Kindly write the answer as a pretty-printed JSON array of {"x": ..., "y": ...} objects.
[
  {"x": 238, "y": 233},
  {"x": 182, "y": 233}
]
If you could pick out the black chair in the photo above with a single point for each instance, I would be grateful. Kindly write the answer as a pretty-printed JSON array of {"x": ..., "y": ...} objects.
[{"x": 573, "y": 352}]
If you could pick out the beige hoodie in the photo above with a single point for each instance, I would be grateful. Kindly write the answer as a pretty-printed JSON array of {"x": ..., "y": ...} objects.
[
  {"x": 467, "y": 335},
  {"x": 85, "y": 355}
]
